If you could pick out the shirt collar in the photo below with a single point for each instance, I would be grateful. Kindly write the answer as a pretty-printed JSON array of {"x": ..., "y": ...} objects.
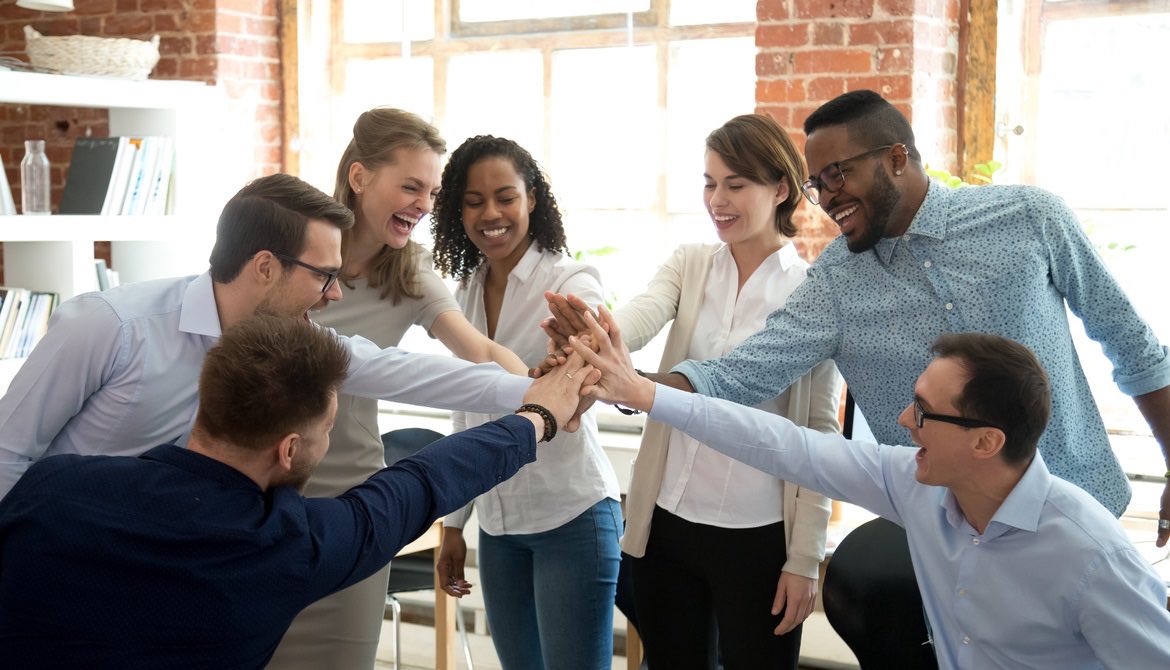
[
  {"x": 1022, "y": 507},
  {"x": 201, "y": 466},
  {"x": 785, "y": 255},
  {"x": 199, "y": 314},
  {"x": 528, "y": 262},
  {"x": 929, "y": 221}
]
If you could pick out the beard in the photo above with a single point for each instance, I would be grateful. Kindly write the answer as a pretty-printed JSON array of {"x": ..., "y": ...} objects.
[{"x": 883, "y": 196}]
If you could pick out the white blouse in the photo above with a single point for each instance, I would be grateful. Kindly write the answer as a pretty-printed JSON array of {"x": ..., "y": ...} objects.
[
  {"x": 571, "y": 473},
  {"x": 700, "y": 484}
]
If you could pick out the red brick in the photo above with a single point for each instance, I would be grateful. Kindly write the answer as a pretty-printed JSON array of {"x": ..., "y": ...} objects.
[
  {"x": 882, "y": 32},
  {"x": 263, "y": 26},
  {"x": 175, "y": 46},
  {"x": 165, "y": 23},
  {"x": 824, "y": 9},
  {"x": 58, "y": 27},
  {"x": 198, "y": 22},
  {"x": 128, "y": 25},
  {"x": 229, "y": 24},
  {"x": 199, "y": 67},
  {"x": 833, "y": 60},
  {"x": 772, "y": 63},
  {"x": 157, "y": 6},
  {"x": 91, "y": 25},
  {"x": 771, "y": 10},
  {"x": 826, "y": 88},
  {"x": 897, "y": 59},
  {"x": 897, "y": 8},
  {"x": 780, "y": 90},
  {"x": 167, "y": 68},
  {"x": 828, "y": 33},
  {"x": 253, "y": 7},
  {"x": 206, "y": 45},
  {"x": 782, "y": 35},
  {"x": 127, "y": 6},
  {"x": 892, "y": 88},
  {"x": 778, "y": 112}
]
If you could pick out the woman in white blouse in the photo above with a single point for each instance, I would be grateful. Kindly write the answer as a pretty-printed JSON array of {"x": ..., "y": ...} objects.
[
  {"x": 548, "y": 542},
  {"x": 713, "y": 539}
]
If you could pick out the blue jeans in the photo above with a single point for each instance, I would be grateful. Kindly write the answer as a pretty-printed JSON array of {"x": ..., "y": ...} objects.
[{"x": 549, "y": 596}]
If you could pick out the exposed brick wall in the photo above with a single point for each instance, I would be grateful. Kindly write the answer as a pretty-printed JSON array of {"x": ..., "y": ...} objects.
[
  {"x": 232, "y": 43},
  {"x": 813, "y": 50}
]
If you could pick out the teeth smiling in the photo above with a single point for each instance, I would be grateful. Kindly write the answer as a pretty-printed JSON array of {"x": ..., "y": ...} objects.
[
  {"x": 494, "y": 232},
  {"x": 844, "y": 213},
  {"x": 407, "y": 220},
  {"x": 723, "y": 218}
]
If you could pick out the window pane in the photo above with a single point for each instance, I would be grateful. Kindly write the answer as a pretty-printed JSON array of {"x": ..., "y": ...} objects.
[
  {"x": 496, "y": 93},
  {"x": 697, "y": 12},
  {"x": 382, "y": 20},
  {"x": 606, "y": 146},
  {"x": 1101, "y": 83},
  {"x": 472, "y": 11},
  {"x": 710, "y": 81}
]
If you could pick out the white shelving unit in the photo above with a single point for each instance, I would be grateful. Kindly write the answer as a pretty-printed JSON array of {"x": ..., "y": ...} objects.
[{"x": 55, "y": 253}]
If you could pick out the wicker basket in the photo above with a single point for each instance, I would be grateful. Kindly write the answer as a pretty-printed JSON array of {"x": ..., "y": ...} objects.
[{"x": 97, "y": 56}]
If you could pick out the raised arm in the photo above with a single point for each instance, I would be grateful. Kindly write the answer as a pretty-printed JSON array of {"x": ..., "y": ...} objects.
[{"x": 457, "y": 334}]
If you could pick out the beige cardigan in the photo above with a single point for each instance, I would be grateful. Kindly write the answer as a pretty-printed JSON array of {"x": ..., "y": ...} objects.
[{"x": 676, "y": 292}]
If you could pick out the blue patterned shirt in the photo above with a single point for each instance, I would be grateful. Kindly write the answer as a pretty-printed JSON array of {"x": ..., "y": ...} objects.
[{"x": 994, "y": 259}]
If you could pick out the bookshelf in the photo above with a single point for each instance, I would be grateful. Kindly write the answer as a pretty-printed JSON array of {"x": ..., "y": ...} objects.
[
  {"x": 55, "y": 253},
  {"x": 212, "y": 160}
]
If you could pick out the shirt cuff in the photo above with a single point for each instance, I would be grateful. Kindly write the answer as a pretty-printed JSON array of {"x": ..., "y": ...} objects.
[
  {"x": 1146, "y": 381},
  {"x": 510, "y": 392},
  {"x": 695, "y": 375},
  {"x": 672, "y": 406}
]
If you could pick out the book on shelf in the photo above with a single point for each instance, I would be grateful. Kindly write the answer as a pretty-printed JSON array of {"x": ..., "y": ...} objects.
[
  {"x": 88, "y": 179},
  {"x": 119, "y": 176},
  {"x": 25, "y": 316},
  {"x": 7, "y": 204}
]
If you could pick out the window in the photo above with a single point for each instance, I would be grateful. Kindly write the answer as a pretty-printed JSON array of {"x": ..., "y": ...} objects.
[{"x": 613, "y": 97}]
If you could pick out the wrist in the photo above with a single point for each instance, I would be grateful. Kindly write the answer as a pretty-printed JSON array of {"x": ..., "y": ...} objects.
[{"x": 544, "y": 415}]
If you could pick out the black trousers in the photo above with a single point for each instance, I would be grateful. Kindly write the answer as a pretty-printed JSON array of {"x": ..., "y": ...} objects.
[{"x": 695, "y": 578}]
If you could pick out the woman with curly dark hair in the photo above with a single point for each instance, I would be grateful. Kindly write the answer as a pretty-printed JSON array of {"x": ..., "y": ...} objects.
[{"x": 548, "y": 540}]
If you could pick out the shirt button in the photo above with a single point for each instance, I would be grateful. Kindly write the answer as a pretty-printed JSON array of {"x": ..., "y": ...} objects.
[
  {"x": 974, "y": 540},
  {"x": 966, "y": 639},
  {"x": 962, "y": 593},
  {"x": 927, "y": 264},
  {"x": 950, "y": 306},
  {"x": 906, "y": 238}
]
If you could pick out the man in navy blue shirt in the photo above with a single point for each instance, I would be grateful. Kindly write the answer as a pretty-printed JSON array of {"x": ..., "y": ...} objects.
[{"x": 201, "y": 557}]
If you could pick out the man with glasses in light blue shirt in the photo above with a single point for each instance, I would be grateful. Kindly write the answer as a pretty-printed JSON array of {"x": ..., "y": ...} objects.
[
  {"x": 1017, "y": 568},
  {"x": 116, "y": 372}
]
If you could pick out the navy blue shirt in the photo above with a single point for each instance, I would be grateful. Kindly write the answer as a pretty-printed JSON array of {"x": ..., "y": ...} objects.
[{"x": 176, "y": 560}]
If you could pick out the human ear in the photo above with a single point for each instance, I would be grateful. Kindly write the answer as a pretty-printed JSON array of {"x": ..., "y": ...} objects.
[
  {"x": 782, "y": 193},
  {"x": 990, "y": 443},
  {"x": 358, "y": 176},
  {"x": 286, "y": 450}
]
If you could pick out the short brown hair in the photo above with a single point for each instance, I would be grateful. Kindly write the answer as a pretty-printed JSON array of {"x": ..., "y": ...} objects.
[
  {"x": 267, "y": 377},
  {"x": 755, "y": 147},
  {"x": 1006, "y": 386},
  {"x": 270, "y": 214},
  {"x": 377, "y": 134}
]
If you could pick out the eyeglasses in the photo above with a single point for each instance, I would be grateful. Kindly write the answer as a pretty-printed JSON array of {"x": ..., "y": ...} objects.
[
  {"x": 921, "y": 415},
  {"x": 330, "y": 276},
  {"x": 832, "y": 179}
]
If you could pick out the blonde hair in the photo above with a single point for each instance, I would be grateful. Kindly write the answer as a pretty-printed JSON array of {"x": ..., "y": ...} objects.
[{"x": 377, "y": 134}]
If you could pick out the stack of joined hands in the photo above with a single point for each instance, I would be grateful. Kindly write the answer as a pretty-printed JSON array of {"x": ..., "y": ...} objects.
[{"x": 573, "y": 328}]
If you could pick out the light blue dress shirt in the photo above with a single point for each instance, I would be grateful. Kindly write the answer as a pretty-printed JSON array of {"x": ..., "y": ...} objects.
[
  {"x": 1003, "y": 260},
  {"x": 1053, "y": 581},
  {"x": 117, "y": 374}
]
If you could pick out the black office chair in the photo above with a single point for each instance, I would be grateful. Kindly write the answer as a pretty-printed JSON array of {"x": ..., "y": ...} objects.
[
  {"x": 871, "y": 599},
  {"x": 414, "y": 572}
]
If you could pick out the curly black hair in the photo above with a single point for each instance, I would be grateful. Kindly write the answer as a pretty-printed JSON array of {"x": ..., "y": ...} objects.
[{"x": 455, "y": 254}]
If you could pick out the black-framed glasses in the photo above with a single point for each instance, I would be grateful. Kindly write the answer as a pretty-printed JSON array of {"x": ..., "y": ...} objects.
[
  {"x": 832, "y": 178},
  {"x": 329, "y": 275},
  {"x": 921, "y": 415}
]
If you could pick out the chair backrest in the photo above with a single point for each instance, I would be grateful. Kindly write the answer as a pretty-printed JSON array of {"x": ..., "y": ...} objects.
[
  {"x": 403, "y": 442},
  {"x": 871, "y": 598}
]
